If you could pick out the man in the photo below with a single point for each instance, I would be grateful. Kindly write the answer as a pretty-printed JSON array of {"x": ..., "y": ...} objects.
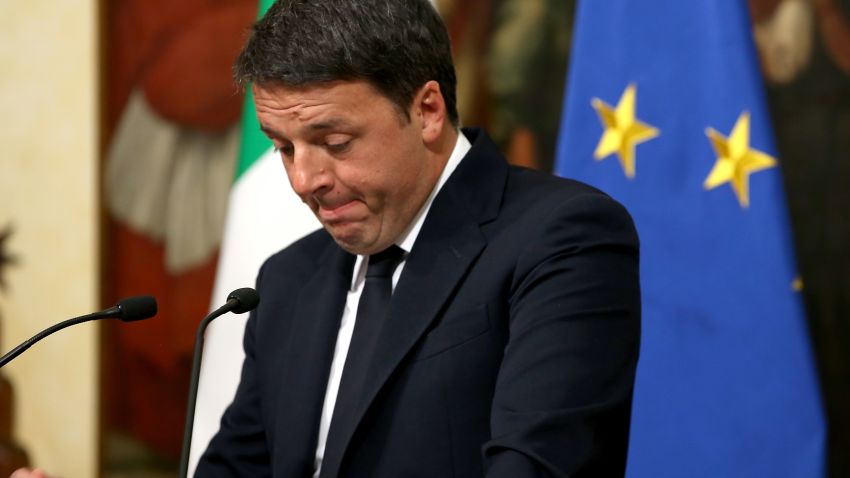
[
  {"x": 509, "y": 343},
  {"x": 455, "y": 317},
  {"x": 499, "y": 335}
]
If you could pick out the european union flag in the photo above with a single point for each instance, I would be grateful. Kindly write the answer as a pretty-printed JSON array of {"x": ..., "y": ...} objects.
[{"x": 665, "y": 111}]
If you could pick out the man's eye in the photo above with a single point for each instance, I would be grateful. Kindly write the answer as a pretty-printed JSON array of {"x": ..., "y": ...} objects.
[
  {"x": 285, "y": 149},
  {"x": 337, "y": 148}
]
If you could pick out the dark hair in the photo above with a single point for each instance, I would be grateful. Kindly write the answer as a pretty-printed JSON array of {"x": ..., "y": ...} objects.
[{"x": 395, "y": 45}]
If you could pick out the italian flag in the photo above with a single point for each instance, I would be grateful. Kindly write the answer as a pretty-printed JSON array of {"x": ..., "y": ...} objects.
[{"x": 264, "y": 215}]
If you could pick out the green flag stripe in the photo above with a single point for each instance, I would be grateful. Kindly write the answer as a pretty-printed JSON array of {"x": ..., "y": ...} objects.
[
  {"x": 264, "y": 5},
  {"x": 254, "y": 143}
]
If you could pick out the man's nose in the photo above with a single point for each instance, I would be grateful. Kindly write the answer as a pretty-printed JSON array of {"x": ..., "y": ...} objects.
[{"x": 309, "y": 173}]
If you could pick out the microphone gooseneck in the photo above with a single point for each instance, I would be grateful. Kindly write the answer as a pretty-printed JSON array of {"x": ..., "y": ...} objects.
[
  {"x": 239, "y": 301},
  {"x": 129, "y": 309}
]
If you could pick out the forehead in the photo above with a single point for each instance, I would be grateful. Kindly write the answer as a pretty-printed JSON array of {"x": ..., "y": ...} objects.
[
  {"x": 324, "y": 102},
  {"x": 285, "y": 99},
  {"x": 284, "y": 110}
]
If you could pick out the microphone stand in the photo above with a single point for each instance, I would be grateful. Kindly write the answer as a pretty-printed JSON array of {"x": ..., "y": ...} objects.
[{"x": 239, "y": 301}]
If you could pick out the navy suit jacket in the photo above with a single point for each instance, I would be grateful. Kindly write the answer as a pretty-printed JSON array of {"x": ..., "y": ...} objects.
[{"x": 509, "y": 351}]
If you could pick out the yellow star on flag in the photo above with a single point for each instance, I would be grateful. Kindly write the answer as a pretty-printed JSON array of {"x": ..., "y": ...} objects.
[
  {"x": 736, "y": 160},
  {"x": 622, "y": 130}
]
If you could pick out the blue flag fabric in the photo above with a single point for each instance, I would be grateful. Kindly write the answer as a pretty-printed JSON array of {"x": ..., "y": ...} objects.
[{"x": 665, "y": 111}]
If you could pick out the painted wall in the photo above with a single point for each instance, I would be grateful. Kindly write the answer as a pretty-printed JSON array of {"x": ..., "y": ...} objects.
[{"x": 48, "y": 193}]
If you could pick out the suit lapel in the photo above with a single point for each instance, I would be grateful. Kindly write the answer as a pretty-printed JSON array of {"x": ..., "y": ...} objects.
[
  {"x": 306, "y": 360},
  {"x": 448, "y": 244}
]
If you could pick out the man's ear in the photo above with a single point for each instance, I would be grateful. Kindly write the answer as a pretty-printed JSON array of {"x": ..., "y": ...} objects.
[{"x": 430, "y": 106}]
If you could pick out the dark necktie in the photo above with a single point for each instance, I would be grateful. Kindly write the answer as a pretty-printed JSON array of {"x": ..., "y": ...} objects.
[{"x": 371, "y": 312}]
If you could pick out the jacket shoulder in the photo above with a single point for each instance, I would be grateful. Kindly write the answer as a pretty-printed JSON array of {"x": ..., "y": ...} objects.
[
  {"x": 534, "y": 188},
  {"x": 300, "y": 257}
]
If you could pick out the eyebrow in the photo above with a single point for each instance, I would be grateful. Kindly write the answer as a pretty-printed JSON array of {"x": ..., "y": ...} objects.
[{"x": 328, "y": 124}]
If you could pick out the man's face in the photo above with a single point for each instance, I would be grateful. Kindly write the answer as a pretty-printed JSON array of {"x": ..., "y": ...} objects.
[{"x": 362, "y": 168}]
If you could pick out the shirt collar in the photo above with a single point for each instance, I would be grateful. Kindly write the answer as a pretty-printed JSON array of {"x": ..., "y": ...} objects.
[{"x": 408, "y": 237}]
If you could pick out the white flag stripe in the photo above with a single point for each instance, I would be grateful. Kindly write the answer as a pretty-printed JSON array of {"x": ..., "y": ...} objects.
[{"x": 264, "y": 216}]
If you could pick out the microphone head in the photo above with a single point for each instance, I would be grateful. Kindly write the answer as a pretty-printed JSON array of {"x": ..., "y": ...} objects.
[
  {"x": 246, "y": 300},
  {"x": 137, "y": 308}
]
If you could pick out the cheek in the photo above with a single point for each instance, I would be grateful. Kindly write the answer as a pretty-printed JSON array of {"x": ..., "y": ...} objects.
[{"x": 385, "y": 174}]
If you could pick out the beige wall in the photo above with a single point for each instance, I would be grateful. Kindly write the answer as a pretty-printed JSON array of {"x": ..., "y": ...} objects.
[{"x": 48, "y": 179}]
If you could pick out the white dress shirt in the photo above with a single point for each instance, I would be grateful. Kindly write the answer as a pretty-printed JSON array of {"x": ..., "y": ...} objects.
[{"x": 346, "y": 326}]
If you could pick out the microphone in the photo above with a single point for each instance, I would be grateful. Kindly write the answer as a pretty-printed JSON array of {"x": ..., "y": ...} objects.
[
  {"x": 130, "y": 309},
  {"x": 239, "y": 301}
]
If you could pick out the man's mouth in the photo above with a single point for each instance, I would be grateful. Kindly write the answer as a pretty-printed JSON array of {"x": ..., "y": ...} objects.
[{"x": 338, "y": 212}]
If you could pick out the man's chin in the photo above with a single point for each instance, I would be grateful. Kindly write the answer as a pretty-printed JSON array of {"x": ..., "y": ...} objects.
[
  {"x": 359, "y": 245},
  {"x": 351, "y": 241}
]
